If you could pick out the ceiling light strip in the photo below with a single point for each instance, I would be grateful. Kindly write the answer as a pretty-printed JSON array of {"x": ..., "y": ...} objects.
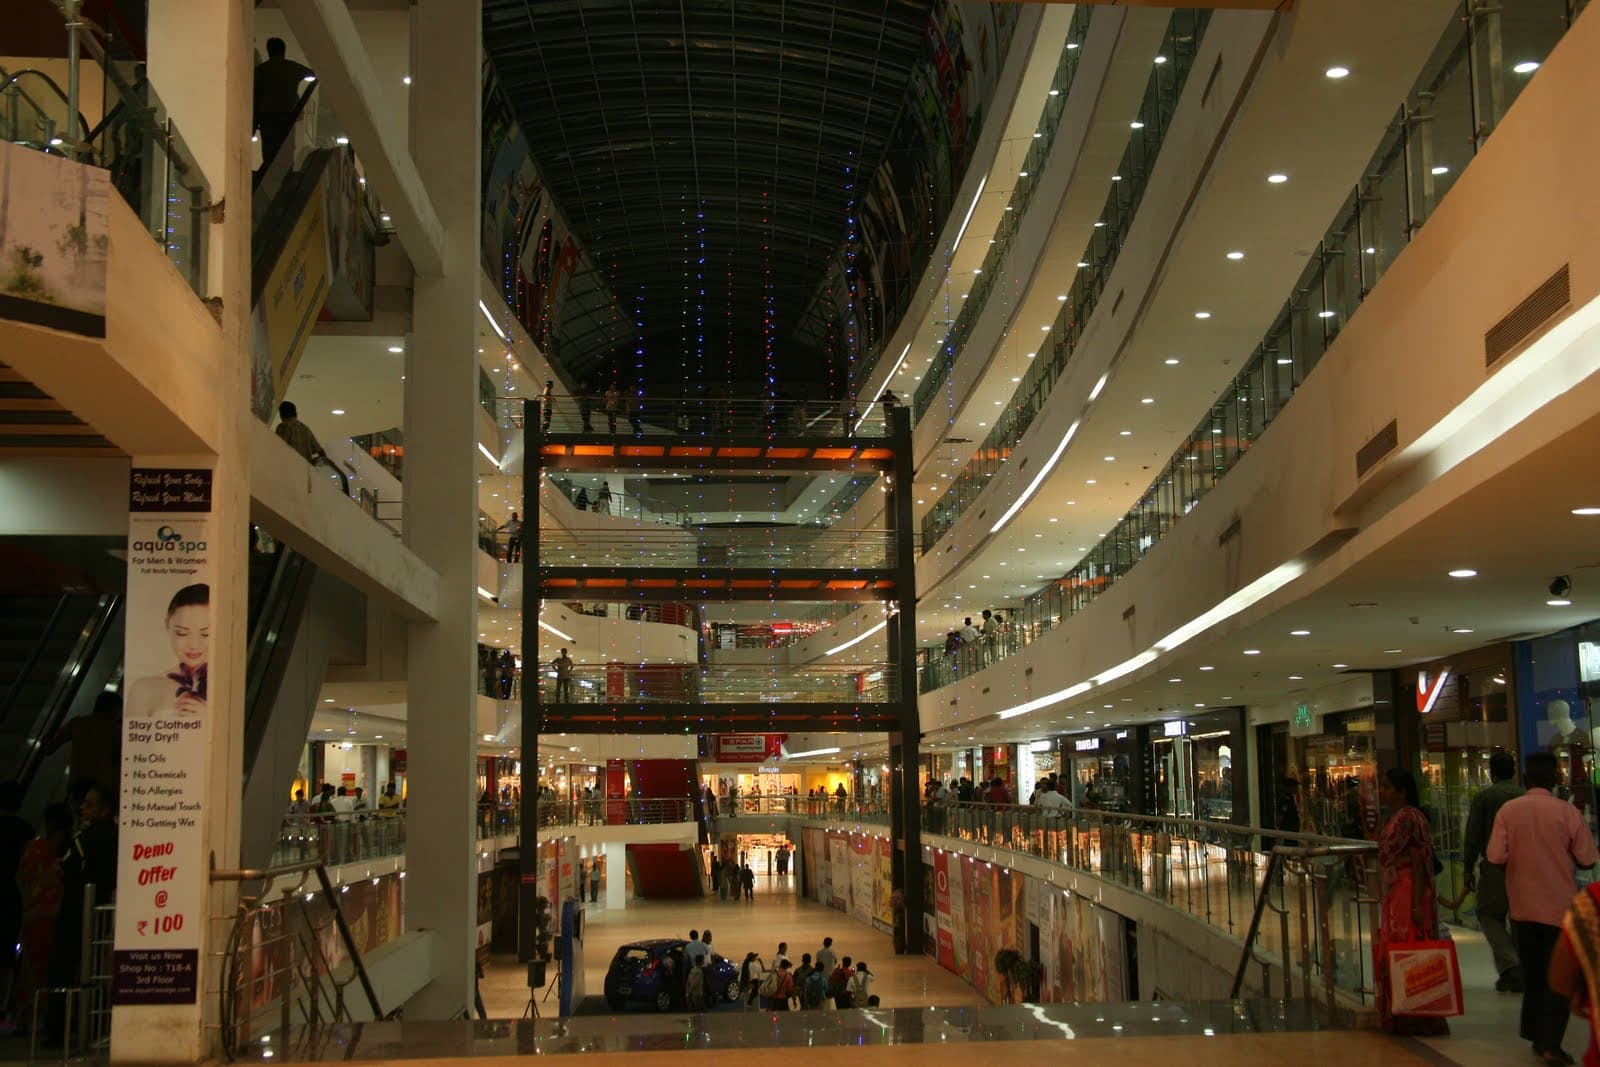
[
  {"x": 974, "y": 206},
  {"x": 1038, "y": 479}
]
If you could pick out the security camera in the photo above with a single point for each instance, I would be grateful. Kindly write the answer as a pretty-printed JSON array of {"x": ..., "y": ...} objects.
[{"x": 1561, "y": 586}]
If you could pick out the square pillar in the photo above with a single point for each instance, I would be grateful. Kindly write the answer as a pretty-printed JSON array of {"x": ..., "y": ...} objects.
[{"x": 441, "y": 503}]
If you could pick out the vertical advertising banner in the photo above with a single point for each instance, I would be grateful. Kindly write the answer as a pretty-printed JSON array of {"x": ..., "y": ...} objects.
[
  {"x": 958, "y": 914},
  {"x": 941, "y": 902},
  {"x": 161, "y": 872}
]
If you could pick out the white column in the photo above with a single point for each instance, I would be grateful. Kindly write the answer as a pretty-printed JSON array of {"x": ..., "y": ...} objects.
[
  {"x": 441, "y": 503},
  {"x": 201, "y": 65},
  {"x": 616, "y": 877}
]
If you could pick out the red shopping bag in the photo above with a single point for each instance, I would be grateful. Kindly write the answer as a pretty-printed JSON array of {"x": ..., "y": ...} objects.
[{"x": 1424, "y": 978}]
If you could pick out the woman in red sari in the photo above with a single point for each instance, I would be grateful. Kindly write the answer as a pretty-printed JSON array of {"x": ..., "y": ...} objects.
[
  {"x": 1409, "y": 908},
  {"x": 1575, "y": 966},
  {"x": 39, "y": 879}
]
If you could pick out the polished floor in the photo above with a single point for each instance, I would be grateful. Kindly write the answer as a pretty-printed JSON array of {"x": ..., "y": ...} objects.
[{"x": 775, "y": 915}]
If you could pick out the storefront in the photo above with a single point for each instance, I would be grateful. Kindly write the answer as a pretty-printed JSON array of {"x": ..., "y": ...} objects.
[
  {"x": 1104, "y": 769},
  {"x": 1195, "y": 767},
  {"x": 1334, "y": 757},
  {"x": 1556, "y": 681}
]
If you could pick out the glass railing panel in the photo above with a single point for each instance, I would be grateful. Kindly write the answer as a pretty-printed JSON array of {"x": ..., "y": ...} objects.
[
  {"x": 1377, "y": 220},
  {"x": 637, "y": 683},
  {"x": 1212, "y": 871},
  {"x": 1099, "y": 258},
  {"x": 992, "y": 267},
  {"x": 744, "y": 546},
  {"x": 33, "y": 111}
]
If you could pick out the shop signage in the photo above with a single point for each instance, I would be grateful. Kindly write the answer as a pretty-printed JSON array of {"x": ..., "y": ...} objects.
[
  {"x": 1304, "y": 722},
  {"x": 1087, "y": 744},
  {"x": 1428, "y": 695},
  {"x": 161, "y": 870},
  {"x": 749, "y": 748},
  {"x": 1174, "y": 729},
  {"x": 1040, "y": 746}
]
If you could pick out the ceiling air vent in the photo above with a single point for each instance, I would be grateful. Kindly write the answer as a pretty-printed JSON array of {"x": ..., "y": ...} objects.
[
  {"x": 1381, "y": 445},
  {"x": 1528, "y": 316}
]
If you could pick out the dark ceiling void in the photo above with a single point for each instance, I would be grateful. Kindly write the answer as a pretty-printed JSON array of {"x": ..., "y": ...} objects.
[{"x": 708, "y": 155}]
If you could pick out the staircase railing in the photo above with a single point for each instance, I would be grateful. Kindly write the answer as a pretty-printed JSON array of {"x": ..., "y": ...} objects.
[{"x": 275, "y": 977}]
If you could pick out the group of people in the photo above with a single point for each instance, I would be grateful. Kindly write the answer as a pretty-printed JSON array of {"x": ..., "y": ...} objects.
[
  {"x": 973, "y": 646},
  {"x": 733, "y": 879},
  {"x": 612, "y": 403},
  {"x": 1522, "y": 849},
  {"x": 817, "y": 981},
  {"x": 601, "y": 502},
  {"x": 816, "y": 799},
  {"x": 45, "y": 871}
]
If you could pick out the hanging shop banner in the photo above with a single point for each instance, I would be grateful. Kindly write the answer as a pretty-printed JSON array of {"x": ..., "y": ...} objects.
[
  {"x": 161, "y": 873},
  {"x": 941, "y": 902},
  {"x": 749, "y": 748}
]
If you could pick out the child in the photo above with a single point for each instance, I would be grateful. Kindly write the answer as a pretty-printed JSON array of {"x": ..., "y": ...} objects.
[{"x": 694, "y": 992}]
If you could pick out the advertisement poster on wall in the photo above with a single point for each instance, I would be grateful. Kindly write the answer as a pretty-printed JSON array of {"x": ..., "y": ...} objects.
[
  {"x": 942, "y": 913},
  {"x": 839, "y": 864},
  {"x": 863, "y": 877},
  {"x": 960, "y": 947},
  {"x": 53, "y": 255},
  {"x": 161, "y": 876},
  {"x": 979, "y": 892},
  {"x": 883, "y": 892},
  {"x": 814, "y": 869}
]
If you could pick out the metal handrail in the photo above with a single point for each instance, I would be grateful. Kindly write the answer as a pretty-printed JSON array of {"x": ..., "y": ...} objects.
[
  {"x": 313, "y": 973},
  {"x": 8, "y": 81}
]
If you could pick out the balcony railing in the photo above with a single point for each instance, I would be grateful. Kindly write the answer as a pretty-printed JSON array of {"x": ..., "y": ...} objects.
[
  {"x": 1464, "y": 86},
  {"x": 616, "y": 811},
  {"x": 634, "y": 415},
  {"x": 1322, "y": 894},
  {"x": 637, "y": 683},
  {"x": 769, "y": 548},
  {"x": 1099, "y": 258},
  {"x": 991, "y": 271},
  {"x": 833, "y": 808}
]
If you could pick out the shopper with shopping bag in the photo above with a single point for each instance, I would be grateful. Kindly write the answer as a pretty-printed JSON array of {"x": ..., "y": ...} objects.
[{"x": 1413, "y": 967}]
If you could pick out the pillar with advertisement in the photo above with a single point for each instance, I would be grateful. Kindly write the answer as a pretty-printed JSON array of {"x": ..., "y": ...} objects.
[{"x": 162, "y": 868}]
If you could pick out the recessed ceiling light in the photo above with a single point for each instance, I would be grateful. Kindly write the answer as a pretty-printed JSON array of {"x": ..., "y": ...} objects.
[
  {"x": 1296, "y": 678},
  {"x": 338, "y": 411},
  {"x": 397, "y": 348},
  {"x": 1392, "y": 651},
  {"x": 1160, "y": 60},
  {"x": 1252, "y": 652},
  {"x": 1088, "y": 481},
  {"x": 1299, "y": 633},
  {"x": 1125, "y": 433},
  {"x": 1044, "y": 329},
  {"x": 1326, "y": 314},
  {"x": 1277, "y": 179},
  {"x": 1440, "y": 169},
  {"x": 1148, "y": 400},
  {"x": 1082, "y": 263},
  {"x": 1202, "y": 314},
  {"x": 1462, "y": 630},
  {"x": 1022, "y": 174},
  {"x": 1135, "y": 125},
  {"x": 1559, "y": 602},
  {"x": 1111, "y": 459},
  {"x": 1174, "y": 679},
  {"x": 1055, "y": 520},
  {"x": 1463, "y": 572},
  {"x": 1586, "y": 511},
  {"x": 1061, "y": 296},
  {"x": 1055, "y": 92},
  {"x": 1208, "y": 668},
  {"x": 1370, "y": 250},
  {"x": 1236, "y": 255},
  {"x": 1526, "y": 67},
  {"x": 1340, "y": 666},
  {"x": 1337, "y": 72}
]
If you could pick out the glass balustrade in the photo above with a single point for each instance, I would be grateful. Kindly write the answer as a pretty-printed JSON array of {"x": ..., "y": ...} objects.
[
  {"x": 659, "y": 418},
  {"x": 1481, "y": 63},
  {"x": 744, "y": 546},
  {"x": 668, "y": 683},
  {"x": 1010, "y": 224},
  {"x": 1110, "y": 232}
]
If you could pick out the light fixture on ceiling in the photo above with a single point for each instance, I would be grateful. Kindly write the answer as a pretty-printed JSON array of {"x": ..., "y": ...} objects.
[
  {"x": 1252, "y": 652},
  {"x": 1135, "y": 125},
  {"x": 1277, "y": 179},
  {"x": 1462, "y": 630},
  {"x": 1559, "y": 602},
  {"x": 1160, "y": 60},
  {"x": 1586, "y": 511},
  {"x": 1393, "y": 651},
  {"x": 1337, "y": 73},
  {"x": 1527, "y": 66},
  {"x": 398, "y": 349},
  {"x": 1235, "y": 255},
  {"x": 1171, "y": 361},
  {"x": 338, "y": 411},
  {"x": 1463, "y": 572},
  {"x": 1208, "y": 667},
  {"x": 1339, "y": 666},
  {"x": 1299, "y": 633},
  {"x": 1440, "y": 169}
]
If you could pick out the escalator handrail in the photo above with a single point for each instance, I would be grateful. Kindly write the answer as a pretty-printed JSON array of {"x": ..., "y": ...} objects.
[
  {"x": 63, "y": 690},
  {"x": 8, "y": 80},
  {"x": 32, "y": 659},
  {"x": 288, "y": 142},
  {"x": 283, "y": 607}
]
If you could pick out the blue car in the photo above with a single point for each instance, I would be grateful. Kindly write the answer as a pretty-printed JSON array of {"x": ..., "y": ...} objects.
[{"x": 638, "y": 975}]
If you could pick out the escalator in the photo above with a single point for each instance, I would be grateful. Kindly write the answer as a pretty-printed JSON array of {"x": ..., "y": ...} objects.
[{"x": 61, "y": 645}]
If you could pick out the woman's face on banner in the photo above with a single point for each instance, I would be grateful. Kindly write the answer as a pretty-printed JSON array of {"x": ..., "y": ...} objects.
[{"x": 189, "y": 628}]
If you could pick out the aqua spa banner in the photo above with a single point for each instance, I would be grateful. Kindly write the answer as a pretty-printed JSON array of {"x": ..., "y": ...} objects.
[{"x": 161, "y": 872}]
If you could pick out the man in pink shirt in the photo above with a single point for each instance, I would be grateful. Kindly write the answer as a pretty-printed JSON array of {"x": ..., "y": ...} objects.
[{"x": 1542, "y": 840}]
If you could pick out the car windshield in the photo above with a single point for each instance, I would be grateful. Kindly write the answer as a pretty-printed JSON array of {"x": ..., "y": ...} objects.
[{"x": 633, "y": 953}]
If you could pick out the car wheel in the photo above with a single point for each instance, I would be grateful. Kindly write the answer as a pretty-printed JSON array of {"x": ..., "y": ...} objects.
[
  {"x": 615, "y": 1003},
  {"x": 730, "y": 993},
  {"x": 663, "y": 1001}
]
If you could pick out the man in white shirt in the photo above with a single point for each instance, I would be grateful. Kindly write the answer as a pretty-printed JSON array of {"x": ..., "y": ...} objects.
[
  {"x": 1053, "y": 803},
  {"x": 696, "y": 950},
  {"x": 971, "y": 646}
]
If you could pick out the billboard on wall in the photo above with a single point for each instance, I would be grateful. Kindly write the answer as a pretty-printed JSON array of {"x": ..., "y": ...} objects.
[
  {"x": 749, "y": 748},
  {"x": 53, "y": 254}
]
